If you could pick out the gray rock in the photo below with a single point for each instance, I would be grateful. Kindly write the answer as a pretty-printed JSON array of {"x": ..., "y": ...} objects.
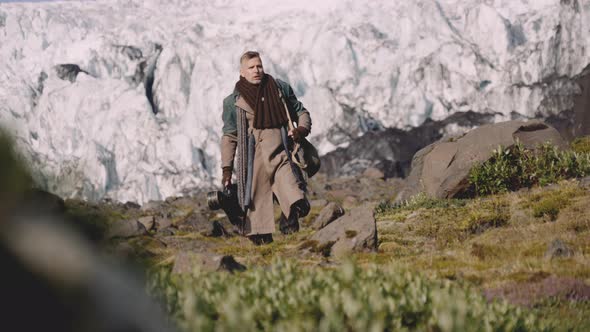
[
  {"x": 349, "y": 202},
  {"x": 162, "y": 223},
  {"x": 585, "y": 182},
  {"x": 147, "y": 221},
  {"x": 186, "y": 262},
  {"x": 197, "y": 221},
  {"x": 558, "y": 249},
  {"x": 374, "y": 173},
  {"x": 151, "y": 206},
  {"x": 331, "y": 212},
  {"x": 126, "y": 229},
  {"x": 168, "y": 231},
  {"x": 391, "y": 150},
  {"x": 441, "y": 169},
  {"x": 131, "y": 206},
  {"x": 353, "y": 232},
  {"x": 318, "y": 203}
]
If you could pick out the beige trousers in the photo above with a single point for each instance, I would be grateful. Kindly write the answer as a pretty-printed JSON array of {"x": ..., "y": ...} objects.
[{"x": 272, "y": 174}]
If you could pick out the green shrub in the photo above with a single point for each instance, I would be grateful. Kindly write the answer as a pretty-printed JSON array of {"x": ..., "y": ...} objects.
[
  {"x": 286, "y": 297},
  {"x": 517, "y": 167}
]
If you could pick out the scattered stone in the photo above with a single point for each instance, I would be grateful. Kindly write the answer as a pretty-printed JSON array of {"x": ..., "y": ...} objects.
[
  {"x": 151, "y": 206},
  {"x": 585, "y": 183},
  {"x": 194, "y": 202},
  {"x": 147, "y": 221},
  {"x": 167, "y": 231},
  {"x": 331, "y": 212},
  {"x": 374, "y": 173},
  {"x": 340, "y": 233},
  {"x": 131, "y": 206},
  {"x": 441, "y": 169},
  {"x": 558, "y": 249},
  {"x": 126, "y": 229},
  {"x": 162, "y": 223},
  {"x": 349, "y": 202},
  {"x": 147, "y": 246},
  {"x": 172, "y": 199},
  {"x": 339, "y": 194},
  {"x": 186, "y": 262},
  {"x": 320, "y": 203}
]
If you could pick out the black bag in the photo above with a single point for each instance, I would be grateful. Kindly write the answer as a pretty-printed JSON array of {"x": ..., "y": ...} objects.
[
  {"x": 304, "y": 155},
  {"x": 310, "y": 157}
]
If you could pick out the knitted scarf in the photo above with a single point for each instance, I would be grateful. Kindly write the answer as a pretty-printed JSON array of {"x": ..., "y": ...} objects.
[
  {"x": 264, "y": 99},
  {"x": 242, "y": 156}
]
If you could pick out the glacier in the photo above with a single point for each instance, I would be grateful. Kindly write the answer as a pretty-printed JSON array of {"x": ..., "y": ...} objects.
[{"x": 121, "y": 99}]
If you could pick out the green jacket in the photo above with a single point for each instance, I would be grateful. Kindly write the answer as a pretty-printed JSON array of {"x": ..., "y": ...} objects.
[{"x": 230, "y": 125}]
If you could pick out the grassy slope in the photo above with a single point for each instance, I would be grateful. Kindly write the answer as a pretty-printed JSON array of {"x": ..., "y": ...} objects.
[
  {"x": 496, "y": 241},
  {"x": 490, "y": 243}
]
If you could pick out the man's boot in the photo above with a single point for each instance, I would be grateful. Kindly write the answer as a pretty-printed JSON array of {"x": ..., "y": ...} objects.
[
  {"x": 290, "y": 225},
  {"x": 260, "y": 239}
]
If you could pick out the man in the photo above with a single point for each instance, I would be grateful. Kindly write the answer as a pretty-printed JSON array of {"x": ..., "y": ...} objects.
[{"x": 255, "y": 123}]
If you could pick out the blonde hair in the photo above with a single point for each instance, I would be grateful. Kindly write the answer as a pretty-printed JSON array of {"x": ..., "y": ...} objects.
[{"x": 249, "y": 55}]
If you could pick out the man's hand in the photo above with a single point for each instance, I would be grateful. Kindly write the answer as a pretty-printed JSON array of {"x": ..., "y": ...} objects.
[
  {"x": 298, "y": 133},
  {"x": 226, "y": 176}
]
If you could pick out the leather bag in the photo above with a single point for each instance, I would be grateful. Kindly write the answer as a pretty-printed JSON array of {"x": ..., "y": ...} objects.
[{"x": 304, "y": 154}]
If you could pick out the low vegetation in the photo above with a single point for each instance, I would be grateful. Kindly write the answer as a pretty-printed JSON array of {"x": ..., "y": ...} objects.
[
  {"x": 441, "y": 264},
  {"x": 500, "y": 243},
  {"x": 288, "y": 297},
  {"x": 513, "y": 168}
]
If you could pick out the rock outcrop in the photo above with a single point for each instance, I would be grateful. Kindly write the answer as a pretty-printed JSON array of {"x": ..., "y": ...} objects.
[
  {"x": 355, "y": 231},
  {"x": 390, "y": 151},
  {"x": 441, "y": 169}
]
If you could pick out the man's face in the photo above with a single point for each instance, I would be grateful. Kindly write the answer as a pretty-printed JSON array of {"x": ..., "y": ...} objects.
[{"x": 252, "y": 70}]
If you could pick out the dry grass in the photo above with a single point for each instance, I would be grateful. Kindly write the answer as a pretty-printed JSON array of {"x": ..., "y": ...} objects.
[{"x": 494, "y": 239}]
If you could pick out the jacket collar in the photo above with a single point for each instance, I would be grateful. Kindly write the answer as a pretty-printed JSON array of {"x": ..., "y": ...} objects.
[{"x": 241, "y": 103}]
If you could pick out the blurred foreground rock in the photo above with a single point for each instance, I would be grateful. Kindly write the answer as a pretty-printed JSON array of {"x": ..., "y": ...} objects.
[{"x": 53, "y": 279}]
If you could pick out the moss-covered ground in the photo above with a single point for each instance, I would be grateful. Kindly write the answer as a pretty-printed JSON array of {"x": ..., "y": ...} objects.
[
  {"x": 496, "y": 242},
  {"x": 497, "y": 246}
]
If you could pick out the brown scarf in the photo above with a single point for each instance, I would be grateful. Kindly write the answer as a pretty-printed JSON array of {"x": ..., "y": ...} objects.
[{"x": 264, "y": 99}]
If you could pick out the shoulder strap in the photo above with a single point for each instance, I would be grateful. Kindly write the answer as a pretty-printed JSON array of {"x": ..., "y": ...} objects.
[
  {"x": 291, "y": 126},
  {"x": 297, "y": 146}
]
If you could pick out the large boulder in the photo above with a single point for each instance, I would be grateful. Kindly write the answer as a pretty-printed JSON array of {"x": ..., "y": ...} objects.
[
  {"x": 388, "y": 153},
  {"x": 353, "y": 232},
  {"x": 441, "y": 169}
]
